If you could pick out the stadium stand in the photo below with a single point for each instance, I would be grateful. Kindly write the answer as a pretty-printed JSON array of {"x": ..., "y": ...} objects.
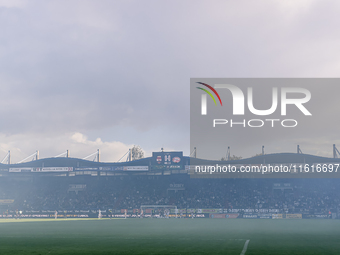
[{"x": 73, "y": 185}]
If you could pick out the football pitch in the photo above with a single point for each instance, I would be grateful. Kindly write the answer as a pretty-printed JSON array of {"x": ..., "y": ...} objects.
[{"x": 170, "y": 236}]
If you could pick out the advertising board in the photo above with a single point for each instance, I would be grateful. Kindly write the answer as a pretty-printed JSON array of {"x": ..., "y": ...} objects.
[
  {"x": 294, "y": 216},
  {"x": 277, "y": 216}
]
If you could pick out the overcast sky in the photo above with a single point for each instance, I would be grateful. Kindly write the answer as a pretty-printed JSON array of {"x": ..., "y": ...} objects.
[{"x": 87, "y": 75}]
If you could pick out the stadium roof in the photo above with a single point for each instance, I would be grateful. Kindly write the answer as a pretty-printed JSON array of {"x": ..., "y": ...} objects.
[{"x": 277, "y": 158}]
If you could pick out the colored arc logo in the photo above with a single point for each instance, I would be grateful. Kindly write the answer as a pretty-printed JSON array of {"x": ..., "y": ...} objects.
[{"x": 209, "y": 93}]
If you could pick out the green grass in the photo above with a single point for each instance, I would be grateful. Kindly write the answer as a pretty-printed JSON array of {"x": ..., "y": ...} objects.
[{"x": 169, "y": 236}]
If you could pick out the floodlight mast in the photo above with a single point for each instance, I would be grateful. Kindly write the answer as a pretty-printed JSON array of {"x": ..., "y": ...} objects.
[
  {"x": 299, "y": 150},
  {"x": 96, "y": 154},
  {"x": 35, "y": 156},
  {"x": 193, "y": 153},
  {"x": 66, "y": 153},
  {"x": 130, "y": 156},
  {"x": 7, "y": 158},
  {"x": 336, "y": 153},
  {"x": 123, "y": 156},
  {"x": 128, "y": 153}
]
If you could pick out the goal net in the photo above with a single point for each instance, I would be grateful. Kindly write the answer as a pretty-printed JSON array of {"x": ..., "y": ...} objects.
[{"x": 159, "y": 210}]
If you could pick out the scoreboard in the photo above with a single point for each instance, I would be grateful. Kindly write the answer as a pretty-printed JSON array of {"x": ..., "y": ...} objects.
[{"x": 167, "y": 160}]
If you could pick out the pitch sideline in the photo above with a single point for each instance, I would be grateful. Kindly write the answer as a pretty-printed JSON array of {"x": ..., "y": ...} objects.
[{"x": 245, "y": 247}]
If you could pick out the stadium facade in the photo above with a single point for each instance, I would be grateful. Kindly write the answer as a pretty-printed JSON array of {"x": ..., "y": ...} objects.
[
  {"x": 150, "y": 186},
  {"x": 162, "y": 163}
]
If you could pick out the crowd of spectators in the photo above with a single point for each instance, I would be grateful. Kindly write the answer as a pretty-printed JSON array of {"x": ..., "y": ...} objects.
[{"x": 130, "y": 192}]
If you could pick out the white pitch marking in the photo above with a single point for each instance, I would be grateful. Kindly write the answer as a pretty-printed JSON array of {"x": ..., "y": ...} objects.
[{"x": 245, "y": 247}]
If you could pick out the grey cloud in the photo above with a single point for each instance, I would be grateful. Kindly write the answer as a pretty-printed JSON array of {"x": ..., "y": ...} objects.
[{"x": 89, "y": 66}]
